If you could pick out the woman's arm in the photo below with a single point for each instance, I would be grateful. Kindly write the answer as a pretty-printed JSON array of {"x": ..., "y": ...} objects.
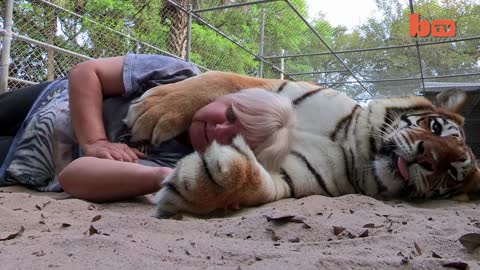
[
  {"x": 89, "y": 83},
  {"x": 101, "y": 180}
]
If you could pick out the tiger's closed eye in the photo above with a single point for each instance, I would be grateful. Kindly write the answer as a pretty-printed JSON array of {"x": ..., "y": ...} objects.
[{"x": 231, "y": 117}]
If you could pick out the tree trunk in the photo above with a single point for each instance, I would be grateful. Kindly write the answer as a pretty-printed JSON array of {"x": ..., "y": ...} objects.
[{"x": 177, "y": 34}]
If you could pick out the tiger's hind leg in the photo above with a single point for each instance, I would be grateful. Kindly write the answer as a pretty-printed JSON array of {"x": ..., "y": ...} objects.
[{"x": 224, "y": 176}]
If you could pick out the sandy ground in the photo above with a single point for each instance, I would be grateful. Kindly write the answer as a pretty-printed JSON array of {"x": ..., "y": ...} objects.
[{"x": 349, "y": 232}]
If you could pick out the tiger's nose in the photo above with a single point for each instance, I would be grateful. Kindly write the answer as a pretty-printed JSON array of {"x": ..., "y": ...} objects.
[{"x": 424, "y": 156}]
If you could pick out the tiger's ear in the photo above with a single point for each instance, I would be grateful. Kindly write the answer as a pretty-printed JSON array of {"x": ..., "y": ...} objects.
[{"x": 452, "y": 100}]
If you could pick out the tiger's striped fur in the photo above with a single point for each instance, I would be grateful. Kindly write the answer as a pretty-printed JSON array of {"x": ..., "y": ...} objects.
[{"x": 399, "y": 147}]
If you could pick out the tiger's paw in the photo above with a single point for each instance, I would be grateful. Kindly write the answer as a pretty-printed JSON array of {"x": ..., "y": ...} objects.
[
  {"x": 162, "y": 113},
  {"x": 225, "y": 176}
]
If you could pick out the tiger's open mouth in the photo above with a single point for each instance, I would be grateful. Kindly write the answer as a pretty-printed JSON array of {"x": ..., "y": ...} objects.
[
  {"x": 401, "y": 166},
  {"x": 398, "y": 164}
]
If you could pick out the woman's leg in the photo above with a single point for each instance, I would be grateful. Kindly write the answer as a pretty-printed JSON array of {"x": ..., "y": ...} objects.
[
  {"x": 15, "y": 105},
  {"x": 5, "y": 142}
]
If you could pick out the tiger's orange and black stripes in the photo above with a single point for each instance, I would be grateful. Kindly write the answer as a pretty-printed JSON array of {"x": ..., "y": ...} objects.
[{"x": 398, "y": 147}]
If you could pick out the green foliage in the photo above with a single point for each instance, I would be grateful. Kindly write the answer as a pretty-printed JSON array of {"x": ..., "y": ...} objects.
[
  {"x": 228, "y": 57},
  {"x": 394, "y": 29},
  {"x": 100, "y": 28}
]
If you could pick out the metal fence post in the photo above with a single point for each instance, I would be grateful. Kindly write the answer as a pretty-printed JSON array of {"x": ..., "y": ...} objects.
[
  {"x": 282, "y": 65},
  {"x": 7, "y": 36},
  {"x": 189, "y": 33},
  {"x": 262, "y": 36}
]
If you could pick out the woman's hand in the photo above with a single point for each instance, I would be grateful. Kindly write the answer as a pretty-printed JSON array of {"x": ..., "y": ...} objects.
[{"x": 115, "y": 151}]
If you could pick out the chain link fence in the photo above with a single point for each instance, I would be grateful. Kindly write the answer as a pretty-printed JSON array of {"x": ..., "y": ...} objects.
[
  {"x": 49, "y": 38},
  {"x": 267, "y": 38}
]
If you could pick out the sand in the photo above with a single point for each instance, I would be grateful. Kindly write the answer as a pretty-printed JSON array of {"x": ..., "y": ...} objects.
[{"x": 44, "y": 231}]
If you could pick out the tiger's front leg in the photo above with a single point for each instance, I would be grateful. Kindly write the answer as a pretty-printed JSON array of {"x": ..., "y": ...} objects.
[{"x": 225, "y": 176}]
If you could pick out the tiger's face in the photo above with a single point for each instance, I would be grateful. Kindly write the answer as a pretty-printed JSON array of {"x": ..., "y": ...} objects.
[{"x": 424, "y": 155}]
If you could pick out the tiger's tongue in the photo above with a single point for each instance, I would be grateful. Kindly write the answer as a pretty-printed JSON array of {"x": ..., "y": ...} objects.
[{"x": 402, "y": 167}]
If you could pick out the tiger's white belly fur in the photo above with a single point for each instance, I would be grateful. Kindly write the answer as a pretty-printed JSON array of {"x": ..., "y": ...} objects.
[
  {"x": 322, "y": 149},
  {"x": 323, "y": 146}
]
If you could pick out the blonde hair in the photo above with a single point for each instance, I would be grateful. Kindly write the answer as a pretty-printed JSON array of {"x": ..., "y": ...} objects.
[{"x": 268, "y": 119}]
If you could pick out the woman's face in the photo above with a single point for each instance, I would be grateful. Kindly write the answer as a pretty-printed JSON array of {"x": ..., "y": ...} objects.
[{"x": 216, "y": 121}]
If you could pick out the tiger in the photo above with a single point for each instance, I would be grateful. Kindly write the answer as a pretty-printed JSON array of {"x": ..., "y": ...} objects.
[{"x": 402, "y": 147}]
